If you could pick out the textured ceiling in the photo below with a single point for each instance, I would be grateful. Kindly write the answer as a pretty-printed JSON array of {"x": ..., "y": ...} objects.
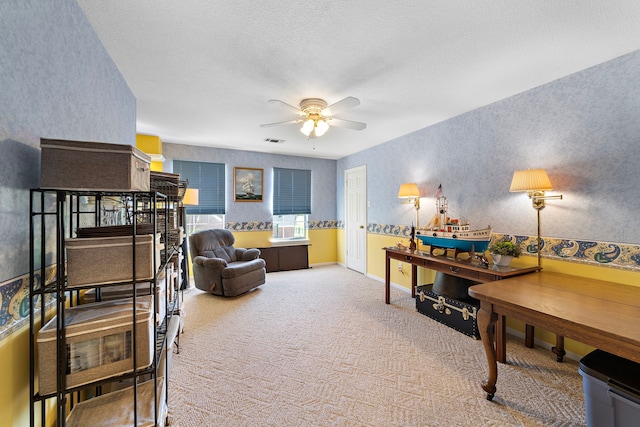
[{"x": 203, "y": 70}]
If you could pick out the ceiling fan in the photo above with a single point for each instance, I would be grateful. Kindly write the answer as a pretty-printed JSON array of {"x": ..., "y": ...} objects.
[{"x": 316, "y": 116}]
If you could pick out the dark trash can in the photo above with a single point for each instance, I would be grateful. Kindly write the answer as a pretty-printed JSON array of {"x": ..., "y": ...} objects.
[{"x": 611, "y": 390}]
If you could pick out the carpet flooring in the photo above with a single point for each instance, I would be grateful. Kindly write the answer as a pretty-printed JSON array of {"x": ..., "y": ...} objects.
[{"x": 319, "y": 347}]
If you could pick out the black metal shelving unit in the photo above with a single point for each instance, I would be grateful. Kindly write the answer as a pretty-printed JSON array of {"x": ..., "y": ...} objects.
[{"x": 55, "y": 215}]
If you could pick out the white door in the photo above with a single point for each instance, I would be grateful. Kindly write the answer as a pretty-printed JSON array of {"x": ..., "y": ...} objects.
[{"x": 356, "y": 218}]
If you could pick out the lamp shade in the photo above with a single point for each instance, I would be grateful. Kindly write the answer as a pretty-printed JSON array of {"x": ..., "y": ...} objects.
[
  {"x": 409, "y": 190},
  {"x": 191, "y": 197},
  {"x": 530, "y": 180}
]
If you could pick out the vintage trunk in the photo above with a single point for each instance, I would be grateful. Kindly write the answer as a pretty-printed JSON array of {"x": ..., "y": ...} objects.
[
  {"x": 101, "y": 260},
  {"x": 81, "y": 165},
  {"x": 99, "y": 342},
  {"x": 460, "y": 315}
]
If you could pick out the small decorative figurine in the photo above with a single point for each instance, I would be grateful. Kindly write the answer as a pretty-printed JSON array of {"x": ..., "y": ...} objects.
[
  {"x": 482, "y": 259},
  {"x": 412, "y": 242}
]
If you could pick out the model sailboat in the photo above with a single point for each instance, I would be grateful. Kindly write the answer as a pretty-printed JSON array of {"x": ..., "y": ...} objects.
[{"x": 452, "y": 233}]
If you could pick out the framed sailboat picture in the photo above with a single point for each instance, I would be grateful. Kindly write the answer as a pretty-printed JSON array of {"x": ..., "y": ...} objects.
[{"x": 248, "y": 184}]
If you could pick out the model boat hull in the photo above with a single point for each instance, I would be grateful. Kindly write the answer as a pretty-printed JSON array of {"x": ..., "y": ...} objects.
[{"x": 473, "y": 240}]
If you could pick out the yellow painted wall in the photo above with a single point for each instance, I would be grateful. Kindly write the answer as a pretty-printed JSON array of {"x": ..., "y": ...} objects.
[
  {"x": 252, "y": 239},
  {"x": 376, "y": 262},
  {"x": 322, "y": 249},
  {"x": 14, "y": 354},
  {"x": 341, "y": 256},
  {"x": 151, "y": 145},
  {"x": 156, "y": 166}
]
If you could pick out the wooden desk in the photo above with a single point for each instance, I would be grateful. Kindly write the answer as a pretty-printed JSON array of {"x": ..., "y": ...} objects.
[
  {"x": 595, "y": 312},
  {"x": 462, "y": 268}
]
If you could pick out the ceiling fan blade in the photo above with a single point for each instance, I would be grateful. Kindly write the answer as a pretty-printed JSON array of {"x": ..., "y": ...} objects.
[
  {"x": 349, "y": 124},
  {"x": 296, "y": 109},
  {"x": 281, "y": 123},
  {"x": 338, "y": 107}
]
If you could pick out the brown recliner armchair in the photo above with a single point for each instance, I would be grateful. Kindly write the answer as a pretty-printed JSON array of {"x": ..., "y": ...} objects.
[{"x": 220, "y": 268}]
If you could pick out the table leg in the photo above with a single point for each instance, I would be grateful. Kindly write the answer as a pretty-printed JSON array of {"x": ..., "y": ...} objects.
[
  {"x": 387, "y": 281},
  {"x": 486, "y": 323},
  {"x": 529, "y": 336},
  {"x": 414, "y": 279},
  {"x": 501, "y": 341},
  {"x": 559, "y": 348}
]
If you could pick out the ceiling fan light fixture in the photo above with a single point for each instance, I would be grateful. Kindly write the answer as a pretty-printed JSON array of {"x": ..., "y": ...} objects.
[
  {"x": 315, "y": 116},
  {"x": 321, "y": 127},
  {"x": 307, "y": 127}
]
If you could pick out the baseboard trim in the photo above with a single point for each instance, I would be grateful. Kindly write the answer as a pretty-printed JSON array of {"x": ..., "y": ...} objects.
[{"x": 320, "y": 264}]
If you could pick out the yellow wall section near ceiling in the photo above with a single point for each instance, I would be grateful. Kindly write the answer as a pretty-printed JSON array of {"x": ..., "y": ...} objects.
[
  {"x": 156, "y": 166},
  {"x": 151, "y": 145}
]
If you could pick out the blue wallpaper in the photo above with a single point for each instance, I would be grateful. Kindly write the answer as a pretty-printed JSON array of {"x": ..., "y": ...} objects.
[
  {"x": 584, "y": 129},
  {"x": 243, "y": 216},
  {"x": 57, "y": 81}
]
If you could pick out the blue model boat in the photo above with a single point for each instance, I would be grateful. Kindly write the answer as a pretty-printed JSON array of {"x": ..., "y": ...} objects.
[{"x": 448, "y": 233}]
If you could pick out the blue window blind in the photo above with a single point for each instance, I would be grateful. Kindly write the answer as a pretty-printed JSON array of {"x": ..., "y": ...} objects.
[
  {"x": 208, "y": 178},
  {"x": 291, "y": 191}
]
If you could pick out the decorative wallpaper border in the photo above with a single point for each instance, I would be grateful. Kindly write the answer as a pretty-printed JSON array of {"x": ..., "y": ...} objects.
[
  {"x": 267, "y": 225},
  {"x": 249, "y": 226},
  {"x": 617, "y": 255},
  {"x": 14, "y": 301}
]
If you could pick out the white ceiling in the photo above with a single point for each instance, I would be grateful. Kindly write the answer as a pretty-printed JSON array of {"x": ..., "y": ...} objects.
[{"x": 203, "y": 70}]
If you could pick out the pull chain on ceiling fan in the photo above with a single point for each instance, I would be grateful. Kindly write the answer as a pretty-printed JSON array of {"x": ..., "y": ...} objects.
[{"x": 316, "y": 116}]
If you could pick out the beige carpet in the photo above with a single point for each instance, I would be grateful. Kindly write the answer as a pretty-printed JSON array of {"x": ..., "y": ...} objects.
[{"x": 319, "y": 347}]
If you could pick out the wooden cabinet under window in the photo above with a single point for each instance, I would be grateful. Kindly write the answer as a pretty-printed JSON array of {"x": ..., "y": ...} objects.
[{"x": 282, "y": 258}]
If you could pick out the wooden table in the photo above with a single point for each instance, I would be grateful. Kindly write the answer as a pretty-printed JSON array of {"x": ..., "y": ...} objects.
[
  {"x": 466, "y": 269},
  {"x": 461, "y": 268},
  {"x": 602, "y": 314}
]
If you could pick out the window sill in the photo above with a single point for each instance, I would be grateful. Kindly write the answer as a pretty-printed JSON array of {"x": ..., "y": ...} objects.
[{"x": 290, "y": 242}]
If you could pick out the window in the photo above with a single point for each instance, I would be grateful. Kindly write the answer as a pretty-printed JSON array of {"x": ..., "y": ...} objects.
[
  {"x": 290, "y": 226},
  {"x": 291, "y": 203},
  {"x": 209, "y": 179},
  {"x": 197, "y": 223}
]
